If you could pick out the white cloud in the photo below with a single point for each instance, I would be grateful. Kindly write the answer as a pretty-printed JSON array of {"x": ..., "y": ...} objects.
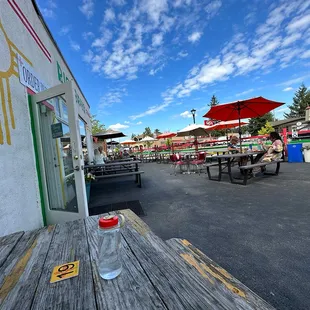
[
  {"x": 183, "y": 54},
  {"x": 126, "y": 122},
  {"x": 154, "y": 71},
  {"x": 284, "y": 109},
  {"x": 250, "y": 18},
  {"x": 271, "y": 47},
  {"x": 245, "y": 92},
  {"x": 65, "y": 30},
  {"x": 157, "y": 39},
  {"x": 109, "y": 15},
  {"x": 186, "y": 114},
  {"x": 87, "y": 8},
  {"x": 48, "y": 10},
  {"x": 118, "y": 2},
  {"x": 103, "y": 40},
  {"x": 195, "y": 36},
  {"x": 74, "y": 46},
  {"x": 291, "y": 39},
  {"x": 126, "y": 45},
  {"x": 299, "y": 23},
  {"x": 154, "y": 9},
  {"x": 178, "y": 3},
  {"x": 150, "y": 111},
  {"x": 139, "y": 123},
  {"x": 306, "y": 54},
  {"x": 295, "y": 80},
  {"x": 212, "y": 8},
  {"x": 87, "y": 35},
  {"x": 88, "y": 56},
  {"x": 112, "y": 97},
  {"x": 118, "y": 126},
  {"x": 288, "y": 89}
]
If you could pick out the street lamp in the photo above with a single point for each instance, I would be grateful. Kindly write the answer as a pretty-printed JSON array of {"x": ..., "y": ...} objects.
[{"x": 193, "y": 111}]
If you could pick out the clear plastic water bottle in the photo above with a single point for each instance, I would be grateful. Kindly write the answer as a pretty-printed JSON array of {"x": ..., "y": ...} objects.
[{"x": 109, "y": 246}]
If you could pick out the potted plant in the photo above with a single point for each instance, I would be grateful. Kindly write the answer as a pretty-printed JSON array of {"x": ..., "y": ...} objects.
[{"x": 88, "y": 178}]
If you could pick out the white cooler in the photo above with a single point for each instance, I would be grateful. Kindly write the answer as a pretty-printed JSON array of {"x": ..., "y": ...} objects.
[{"x": 306, "y": 149}]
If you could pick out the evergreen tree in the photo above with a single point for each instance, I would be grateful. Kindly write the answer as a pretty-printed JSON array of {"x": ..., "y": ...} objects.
[
  {"x": 213, "y": 101},
  {"x": 147, "y": 132},
  {"x": 133, "y": 137},
  {"x": 255, "y": 124},
  {"x": 301, "y": 101},
  {"x": 157, "y": 132}
]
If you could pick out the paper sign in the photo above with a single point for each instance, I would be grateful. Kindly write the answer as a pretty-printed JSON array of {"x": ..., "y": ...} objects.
[
  {"x": 65, "y": 271},
  {"x": 57, "y": 131}
]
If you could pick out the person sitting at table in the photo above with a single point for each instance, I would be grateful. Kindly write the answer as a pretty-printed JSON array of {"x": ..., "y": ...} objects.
[
  {"x": 273, "y": 151},
  {"x": 101, "y": 151},
  {"x": 232, "y": 145},
  {"x": 98, "y": 157}
]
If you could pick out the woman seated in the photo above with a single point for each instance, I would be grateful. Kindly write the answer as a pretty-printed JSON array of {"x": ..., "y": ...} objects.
[
  {"x": 232, "y": 145},
  {"x": 98, "y": 157},
  {"x": 275, "y": 150}
]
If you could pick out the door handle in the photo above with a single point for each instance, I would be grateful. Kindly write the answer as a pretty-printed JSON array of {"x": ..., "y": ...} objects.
[{"x": 77, "y": 168}]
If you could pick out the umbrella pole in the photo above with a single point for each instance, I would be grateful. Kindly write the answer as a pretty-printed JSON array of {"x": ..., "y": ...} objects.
[{"x": 240, "y": 138}]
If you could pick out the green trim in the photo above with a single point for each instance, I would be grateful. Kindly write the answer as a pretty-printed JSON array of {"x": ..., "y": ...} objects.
[{"x": 35, "y": 146}]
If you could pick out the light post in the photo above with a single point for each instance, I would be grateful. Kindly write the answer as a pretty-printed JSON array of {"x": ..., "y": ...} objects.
[{"x": 193, "y": 111}]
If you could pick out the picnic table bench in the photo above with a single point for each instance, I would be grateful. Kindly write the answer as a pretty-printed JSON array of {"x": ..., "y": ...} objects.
[
  {"x": 117, "y": 169},
  {"x": 155, "y": 275},
  {"x": 249, "y": 168}
]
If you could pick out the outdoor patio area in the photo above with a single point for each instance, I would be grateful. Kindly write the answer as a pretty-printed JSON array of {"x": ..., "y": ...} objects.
[{"x": 259, "y": 232}]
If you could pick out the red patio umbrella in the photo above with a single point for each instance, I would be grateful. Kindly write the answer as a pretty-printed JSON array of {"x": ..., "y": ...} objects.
[
  {"x": 166, "y": 135},
  {"x": 248, "y": 108},
  {"x": 226, "y": 125}
]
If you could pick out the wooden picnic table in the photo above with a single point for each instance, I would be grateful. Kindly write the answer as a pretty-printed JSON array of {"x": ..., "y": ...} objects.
[
  {"x": 229, "y": 159},
  {"x": 156, "y": 274}
]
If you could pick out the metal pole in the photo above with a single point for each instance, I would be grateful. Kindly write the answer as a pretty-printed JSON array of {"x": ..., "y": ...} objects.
[{"x": 240, "y": 138}]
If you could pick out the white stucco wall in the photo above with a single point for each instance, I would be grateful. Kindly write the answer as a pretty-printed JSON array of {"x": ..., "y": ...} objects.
[{"x": 20, "y": 205}]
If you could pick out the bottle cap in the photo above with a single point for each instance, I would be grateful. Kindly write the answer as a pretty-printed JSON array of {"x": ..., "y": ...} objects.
[{"x": 108, "y": 221}]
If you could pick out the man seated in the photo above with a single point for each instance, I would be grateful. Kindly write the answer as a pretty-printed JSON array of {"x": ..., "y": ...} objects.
[{"x": 232, "y": 145}]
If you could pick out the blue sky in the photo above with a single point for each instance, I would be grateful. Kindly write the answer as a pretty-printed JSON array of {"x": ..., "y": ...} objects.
[{"x": 149, "y": 62}]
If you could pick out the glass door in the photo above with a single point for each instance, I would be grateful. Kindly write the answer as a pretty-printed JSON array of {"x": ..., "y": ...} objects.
[{"x": 61, "y": 156}]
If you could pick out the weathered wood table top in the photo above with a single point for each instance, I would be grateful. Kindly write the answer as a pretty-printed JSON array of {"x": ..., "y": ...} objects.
[{"x": 156, "y": 274}]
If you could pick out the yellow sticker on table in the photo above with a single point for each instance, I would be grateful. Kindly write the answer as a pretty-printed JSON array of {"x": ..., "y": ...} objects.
[{"x": 65, "y": 271}]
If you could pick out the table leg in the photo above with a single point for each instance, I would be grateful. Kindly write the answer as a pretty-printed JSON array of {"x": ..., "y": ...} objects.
[
  {"x": 220, "y": 169},
  {"x": 229, "y": 170}
]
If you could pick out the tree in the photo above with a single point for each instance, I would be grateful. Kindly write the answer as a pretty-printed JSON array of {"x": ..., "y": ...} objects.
[
  {"x": 157, "y": 132},
  {"x": 255, "y": 124},
  {"x": 213, "y": 101},
  {"x": 169, "y": 142},
  {"x": 133, "y": 136},
  {"x": 301, "y": 101},
  {"x": 97, "y": 126},
  {"x": 266, "y": 129},
  {"x": 147, "y": 132}
]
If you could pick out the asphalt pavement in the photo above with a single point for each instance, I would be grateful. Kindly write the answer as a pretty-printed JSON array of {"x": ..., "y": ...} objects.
[{"x": 259, "y": 233}]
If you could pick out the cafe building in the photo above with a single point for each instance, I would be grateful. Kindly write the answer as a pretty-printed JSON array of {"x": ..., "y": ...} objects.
[{"x": 44, "y": 124}]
